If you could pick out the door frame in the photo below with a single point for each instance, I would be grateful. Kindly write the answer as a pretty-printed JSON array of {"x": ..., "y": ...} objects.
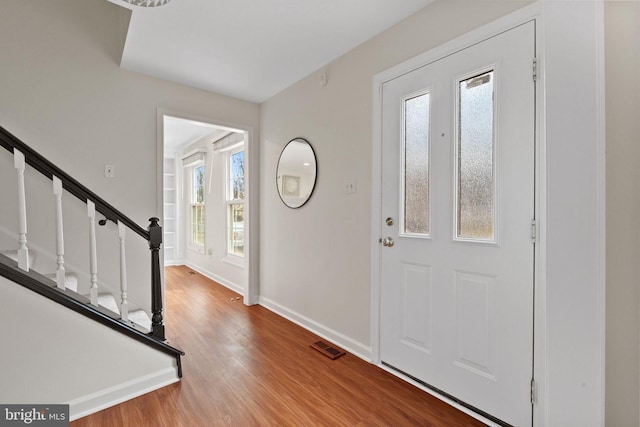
[
  {"x": 550, "y": 356},
  {"x": 252, "y": 187}
]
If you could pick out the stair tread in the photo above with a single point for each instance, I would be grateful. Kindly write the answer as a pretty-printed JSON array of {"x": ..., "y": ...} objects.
[
  {"x": 140, "y": 317},
  {"x": 108, "y": 301},
  {"x": 13, "y": 254},
  {"x": 70, "y": 280}
]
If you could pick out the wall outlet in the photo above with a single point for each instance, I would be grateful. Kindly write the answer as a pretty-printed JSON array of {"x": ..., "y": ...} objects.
[{"x": 109, "y": 171}]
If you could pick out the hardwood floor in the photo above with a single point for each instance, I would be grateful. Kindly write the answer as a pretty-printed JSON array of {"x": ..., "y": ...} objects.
[{"x": 246, "y": 366}]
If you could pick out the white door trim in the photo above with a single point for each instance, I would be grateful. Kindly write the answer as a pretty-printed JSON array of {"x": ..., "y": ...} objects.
[
  {"x": 252, "y": 160},
  {"x": 524, "y": 15},
  {"x": 581, "y": 391}
]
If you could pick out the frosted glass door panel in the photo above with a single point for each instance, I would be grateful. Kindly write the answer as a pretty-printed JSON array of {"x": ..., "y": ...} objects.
[
  {"x": 475, "y": 165},
  {"x": 416, "y": 165}
]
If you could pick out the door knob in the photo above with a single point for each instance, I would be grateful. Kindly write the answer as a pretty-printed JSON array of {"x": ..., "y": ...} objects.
[{"x": 388, "y": 242}]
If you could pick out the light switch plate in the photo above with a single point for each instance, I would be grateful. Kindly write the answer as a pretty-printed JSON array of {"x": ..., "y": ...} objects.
[
  {"x": 109, "y": 171},
  {"x": 350, "y": 186}
]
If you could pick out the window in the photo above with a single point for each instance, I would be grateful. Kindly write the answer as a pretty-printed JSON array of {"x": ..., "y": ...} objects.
[
  {"x": 235, "y": 203},
  {"x": 197, "y": 175},
  {"x": 415, "y": 165},
  {"x": 475, "y": 166}
]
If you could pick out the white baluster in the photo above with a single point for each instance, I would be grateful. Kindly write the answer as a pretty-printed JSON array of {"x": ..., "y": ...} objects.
[
  {"x": 60, "y": 274},
  {"x": 93, "y": 256},
  {"x": 124, "y": 306},
  {"x": 23, "y": 251}
]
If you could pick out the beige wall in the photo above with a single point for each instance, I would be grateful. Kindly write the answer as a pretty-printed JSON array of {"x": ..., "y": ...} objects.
[
  {"x": 315, "y": 261},
  {"x": 622, "y": 44}
]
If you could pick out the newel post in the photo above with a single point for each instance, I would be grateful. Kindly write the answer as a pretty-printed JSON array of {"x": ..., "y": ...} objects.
[{"x": 155, "y": 241}]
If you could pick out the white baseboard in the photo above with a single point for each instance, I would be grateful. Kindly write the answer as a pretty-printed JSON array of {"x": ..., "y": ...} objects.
[
  {"x": 87, "y": 405},
  {"x": 233, "y": 286},
  {"x": 350, "y": 345}
]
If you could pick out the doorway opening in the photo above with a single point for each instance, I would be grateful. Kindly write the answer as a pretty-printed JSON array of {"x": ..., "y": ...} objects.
[{"x": 203, "y": 198}]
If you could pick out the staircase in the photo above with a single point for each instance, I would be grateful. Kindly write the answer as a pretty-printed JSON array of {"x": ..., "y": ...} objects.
[{"x": 79, "y": 287}]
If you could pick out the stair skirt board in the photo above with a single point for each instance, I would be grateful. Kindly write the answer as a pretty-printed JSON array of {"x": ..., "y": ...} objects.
[{"x": 115, "y": 395}]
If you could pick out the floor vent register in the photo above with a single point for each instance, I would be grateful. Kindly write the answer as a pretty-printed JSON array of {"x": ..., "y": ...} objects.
[{"x": 328, "y": 350}]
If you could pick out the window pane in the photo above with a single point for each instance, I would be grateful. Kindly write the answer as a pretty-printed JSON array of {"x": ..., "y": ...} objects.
[
  {"x": 236, "y": 231},
  {"x": 197, "y": 223},
  {"x": 416, "y": 165},
  {"x": 198, "y": 184},
  {"x": 237, "y": 175},
  {"x": 475, "y": 158}
]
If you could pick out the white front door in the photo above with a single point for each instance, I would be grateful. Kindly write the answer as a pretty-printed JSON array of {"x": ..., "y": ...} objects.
[{"x": 457, "y": 269}]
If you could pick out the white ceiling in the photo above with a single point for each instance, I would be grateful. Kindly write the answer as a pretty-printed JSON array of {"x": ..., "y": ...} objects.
[
  {"x": 251, "y": 49},
  {"x": 179, "y": 133}
]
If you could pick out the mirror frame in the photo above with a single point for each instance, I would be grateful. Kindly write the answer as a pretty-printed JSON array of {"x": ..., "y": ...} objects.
[{"x": 315, "y": 178}]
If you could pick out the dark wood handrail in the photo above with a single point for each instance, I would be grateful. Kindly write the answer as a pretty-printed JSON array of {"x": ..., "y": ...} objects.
[{"x": 48, "y": 169}]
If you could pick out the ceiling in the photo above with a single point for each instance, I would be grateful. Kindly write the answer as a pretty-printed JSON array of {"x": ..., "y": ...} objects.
[
  {"x": 179, "y": 133},
  {"x": 251, "y": 49}
]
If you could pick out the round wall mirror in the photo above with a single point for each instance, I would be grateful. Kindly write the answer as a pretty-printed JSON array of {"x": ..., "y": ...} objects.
[{"x": 296, "y": 173}]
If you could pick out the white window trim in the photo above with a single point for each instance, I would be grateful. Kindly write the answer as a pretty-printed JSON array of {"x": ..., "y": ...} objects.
[
  {"x": 190, "y": 245},
  {"x": 231, "y": 258}
]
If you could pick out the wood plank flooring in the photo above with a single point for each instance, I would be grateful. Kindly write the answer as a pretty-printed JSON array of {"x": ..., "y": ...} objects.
[{"x": 246, "y": 366}]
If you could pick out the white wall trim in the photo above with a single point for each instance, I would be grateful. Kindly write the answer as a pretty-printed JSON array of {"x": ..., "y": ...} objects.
[
  {"x": 540, "y": 354},
  {"x": 226, "y": 283},
  {"x": 570, "y": 321},
  {"x": 352, "y": 346},
  {"x": 476, "y": 36},
  {"x": 601, "y": 196},
  {"x": 94, "y": 402}
]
